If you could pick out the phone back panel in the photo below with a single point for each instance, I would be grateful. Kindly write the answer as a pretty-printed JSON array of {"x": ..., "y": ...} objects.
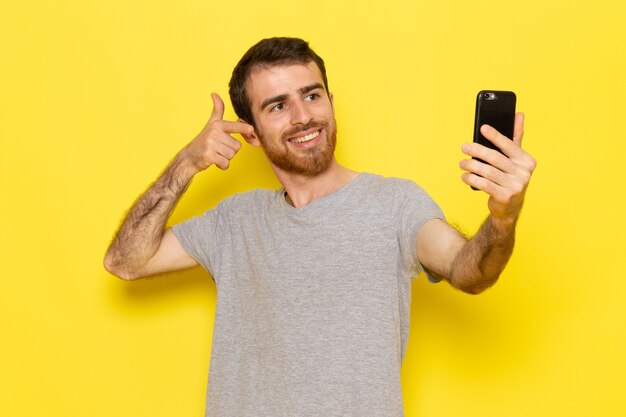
[{"x": 497, "y": 109}]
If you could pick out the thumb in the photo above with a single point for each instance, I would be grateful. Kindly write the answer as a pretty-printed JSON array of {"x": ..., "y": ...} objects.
[
  {"x": 518, "y": 131},
  {"x": 218, "y": 108}
]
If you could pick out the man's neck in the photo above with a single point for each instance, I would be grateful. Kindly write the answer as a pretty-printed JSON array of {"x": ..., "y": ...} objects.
[{"x": 303, "y": 190}]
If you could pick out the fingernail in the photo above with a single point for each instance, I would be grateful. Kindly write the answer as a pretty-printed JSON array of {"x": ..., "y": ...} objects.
[{"x": 465, "y": 148}]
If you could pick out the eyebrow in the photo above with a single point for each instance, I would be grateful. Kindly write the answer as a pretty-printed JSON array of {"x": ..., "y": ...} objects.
[{"x": 281, "y": 97}]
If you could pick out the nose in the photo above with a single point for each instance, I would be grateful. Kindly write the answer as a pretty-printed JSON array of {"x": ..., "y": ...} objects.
[{"x": 300, "y": 115}]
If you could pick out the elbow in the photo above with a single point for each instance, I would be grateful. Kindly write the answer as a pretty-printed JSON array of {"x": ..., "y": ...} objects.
[
  {"x": 471, "y": 290},
  {"x": 472, "y": 282},
  {"x": 114, "y": 268},
  {"x": 474, "y": 290},
  {"x": 474, "y": 287}
]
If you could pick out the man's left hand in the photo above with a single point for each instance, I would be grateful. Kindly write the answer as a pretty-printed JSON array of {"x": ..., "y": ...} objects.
[{"x": 504, "y": 177}]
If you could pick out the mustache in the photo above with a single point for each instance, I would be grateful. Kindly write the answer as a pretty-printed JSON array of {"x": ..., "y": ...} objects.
[{"x": 298, "y": 129}]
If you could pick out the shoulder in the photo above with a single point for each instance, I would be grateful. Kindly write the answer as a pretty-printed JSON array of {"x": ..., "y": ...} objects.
[
  {"x": 400, "y": 196},
  {"x": 252, "y": 200},
  {"x": 392, "y": 186},
  {"x": 256, "y": 195}
]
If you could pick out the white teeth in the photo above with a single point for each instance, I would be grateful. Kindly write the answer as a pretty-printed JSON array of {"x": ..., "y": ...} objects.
[{"x": 306, "y": 138}]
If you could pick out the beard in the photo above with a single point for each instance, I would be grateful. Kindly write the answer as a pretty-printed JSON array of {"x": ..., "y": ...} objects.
[{"x": 310, "y": 161}]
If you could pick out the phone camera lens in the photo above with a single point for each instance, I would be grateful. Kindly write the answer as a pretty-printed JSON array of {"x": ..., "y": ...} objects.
[{"x": 487, "y": 95}]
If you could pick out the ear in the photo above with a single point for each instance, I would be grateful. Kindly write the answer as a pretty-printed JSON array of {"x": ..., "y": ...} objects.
[
  {"x": 251, "y": 138},
  {"x": 332, "y": 101}
]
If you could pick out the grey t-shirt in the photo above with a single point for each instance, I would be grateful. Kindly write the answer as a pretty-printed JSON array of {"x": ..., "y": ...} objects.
[{"x": 312, "y": 312}]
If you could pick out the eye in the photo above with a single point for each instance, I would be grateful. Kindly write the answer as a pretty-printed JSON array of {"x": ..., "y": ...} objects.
[
  {"x": 277, "y": 107},
  {"x": 312, "y": 97}
]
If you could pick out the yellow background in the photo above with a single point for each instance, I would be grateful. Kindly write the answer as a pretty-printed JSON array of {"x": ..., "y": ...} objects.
[{"x": 96, "y": 98}]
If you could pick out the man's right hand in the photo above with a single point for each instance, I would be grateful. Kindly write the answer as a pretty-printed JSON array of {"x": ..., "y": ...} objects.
[
  {"x": 141, "y": 246},
  {"x": 215, "y": 145}
]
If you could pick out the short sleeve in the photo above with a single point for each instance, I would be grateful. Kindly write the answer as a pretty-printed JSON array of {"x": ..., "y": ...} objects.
[
  {"x": 416, "y": 208},
  {"x": 201, "y": 236}
]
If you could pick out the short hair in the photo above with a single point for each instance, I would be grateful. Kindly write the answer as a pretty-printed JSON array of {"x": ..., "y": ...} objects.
[{"x": 268, "y": 53}]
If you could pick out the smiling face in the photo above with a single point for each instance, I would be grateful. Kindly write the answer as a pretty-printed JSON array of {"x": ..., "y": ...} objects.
[{"x": 295, "y": 118}]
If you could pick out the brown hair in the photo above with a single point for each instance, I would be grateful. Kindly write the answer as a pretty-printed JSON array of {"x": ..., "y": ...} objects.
[{"x": 268, "y": 52}]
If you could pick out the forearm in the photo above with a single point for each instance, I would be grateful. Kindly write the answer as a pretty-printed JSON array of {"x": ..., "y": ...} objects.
[
  {"x": 140, "y": 233},
  {"x": 504, "y": 176},
  {"x": 479, "y": 263},
  {"x": 134, "y": 251}
]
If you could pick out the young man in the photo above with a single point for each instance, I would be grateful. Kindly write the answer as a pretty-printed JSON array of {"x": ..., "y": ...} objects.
[{"x": 313, "y": 280}]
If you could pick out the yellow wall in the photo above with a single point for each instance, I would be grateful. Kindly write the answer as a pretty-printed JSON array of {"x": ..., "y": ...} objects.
[{"x": 96, "y": 97}]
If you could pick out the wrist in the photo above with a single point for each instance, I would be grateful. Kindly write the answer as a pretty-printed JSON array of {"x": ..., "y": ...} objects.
[
  {"x": 176, "y": 177},
  {"x": 185, "y": 165},
  {"x": 504, "y": 223}
]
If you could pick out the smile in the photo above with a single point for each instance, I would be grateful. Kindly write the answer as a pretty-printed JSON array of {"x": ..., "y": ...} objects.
[{"x": 305, "y": 138}]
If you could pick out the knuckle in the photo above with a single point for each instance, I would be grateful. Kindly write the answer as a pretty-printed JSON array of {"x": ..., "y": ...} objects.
[
  {"x": 211, "y": 157},
  {"x": 491, "y": 171},
  {"x": 486, "y": 187},
  {"x": 210, "y": 125},
  {"x": 481, "y": 183},
  {"x": 478, "y": 152},
  {"x": 215, "y": 128},
  {"x": 233, "y": 144},
  {"x": 506, "y": 198},
  {"x": 221, "y": 164},
  {"x": 214, "y": 131},
  {"x": 209, "y": 145},
  {"x": 515, "y": 189},
  {"x": 213, "y": 142},
  {"x": 481, "y": 169},
  {"x": 485, "y": 154}
]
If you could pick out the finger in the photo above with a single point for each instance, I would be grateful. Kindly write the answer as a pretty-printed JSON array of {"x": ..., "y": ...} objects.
[
  {"x": 518, "y": 130},
  {"x": 222, "y": 162},
  {"x": 228, "y": 148},
  {"x": 218, "y": 140},
  {"x": 498, "y": 193},
  {"x": 511, "y": 149},
  {"x": 220, "y": 155},
  {"x": 506, "y": 145},
  {"x": 512, "y": 171},
  {"x": 485, "y": 170},
  {"x": 480, "y": 183},
  {"x": 232, "y": 143},
  {"x": 218, "y": 108},
  {"x": 235, "y": 127},
  {"x": 488, "y": 155}
]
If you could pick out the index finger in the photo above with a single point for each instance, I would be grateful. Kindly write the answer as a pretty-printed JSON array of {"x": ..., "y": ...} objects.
[
  {"x": 235, "y": 127},
  {"x": 507, "y": 146}
]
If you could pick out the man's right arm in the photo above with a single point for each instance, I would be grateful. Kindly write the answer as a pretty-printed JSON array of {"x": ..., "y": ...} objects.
[{"x": 141, "y": 246}]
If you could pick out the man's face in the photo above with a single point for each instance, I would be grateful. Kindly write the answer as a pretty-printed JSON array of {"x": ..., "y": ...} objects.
[{"x": 294, "y": 115}]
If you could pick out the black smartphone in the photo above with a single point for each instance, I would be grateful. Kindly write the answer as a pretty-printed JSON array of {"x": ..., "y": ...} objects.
[{"x": 496, "y": 109}]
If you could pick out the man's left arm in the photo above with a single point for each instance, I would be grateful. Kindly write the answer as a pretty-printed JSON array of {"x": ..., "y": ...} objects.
[{"x": 475, "y": 264}]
